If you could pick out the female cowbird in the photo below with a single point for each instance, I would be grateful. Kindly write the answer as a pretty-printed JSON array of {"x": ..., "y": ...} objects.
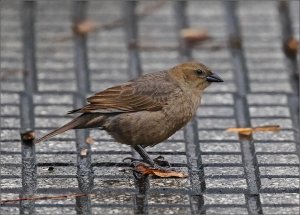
[{"x": 147, "y": 110}]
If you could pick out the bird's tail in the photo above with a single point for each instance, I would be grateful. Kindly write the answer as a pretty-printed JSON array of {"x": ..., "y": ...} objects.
[{"x": 87, "y": 120}]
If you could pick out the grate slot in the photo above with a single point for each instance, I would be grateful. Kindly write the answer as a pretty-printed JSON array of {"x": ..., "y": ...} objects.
[
  {"x": 29, "y": 168},
  {"x": 29, "y": 59},
  {"x": 131, "y": 34},
  {"x": 85, "y": 175},
  {"x": 292, "y": 65},
  {"x": 242, "y": 112},
  {"x": 193, "y": 153},
  {"x": 134, "y": 70}
]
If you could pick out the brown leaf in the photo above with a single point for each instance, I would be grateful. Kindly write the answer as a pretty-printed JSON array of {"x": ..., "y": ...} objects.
[
  {"x": 163, "y": 173},
  {"x": 249, "y": 131},
  {"x": 83, "y": 152},
  {"x": 89, "y": 26},
  {"x": 89, "y": 140},
  {"x": 291, "y": 47},
  {"x": 27, "y": 136},
  {"x": 193, "y": 35},
  {"x": 84, "y": 27}
]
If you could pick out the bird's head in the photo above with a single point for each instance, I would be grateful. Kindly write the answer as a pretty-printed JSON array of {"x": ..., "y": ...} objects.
[{"x": 193, "y": 75}]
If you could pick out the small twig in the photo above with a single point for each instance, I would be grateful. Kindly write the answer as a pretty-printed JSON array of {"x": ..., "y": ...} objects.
[{"x": 44, "y": 198}]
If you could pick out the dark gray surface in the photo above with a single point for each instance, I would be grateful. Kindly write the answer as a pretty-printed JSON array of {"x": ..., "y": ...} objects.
[{"x": 227, "y": 188}]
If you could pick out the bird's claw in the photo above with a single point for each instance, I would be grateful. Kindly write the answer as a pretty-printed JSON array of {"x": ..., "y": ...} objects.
[
  {"x": 160, "y": 160},
  {"x": 132, "y": 160}
]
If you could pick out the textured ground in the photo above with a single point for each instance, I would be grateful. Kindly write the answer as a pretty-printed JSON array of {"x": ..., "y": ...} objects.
[{"x": 239, "y": 176}]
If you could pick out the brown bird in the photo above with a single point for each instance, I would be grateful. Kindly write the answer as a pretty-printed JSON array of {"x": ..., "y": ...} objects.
[{"x": 147, "y": 110}]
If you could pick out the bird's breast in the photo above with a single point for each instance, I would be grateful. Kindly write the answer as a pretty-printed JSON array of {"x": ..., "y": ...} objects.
[
  {"x": 180, "y": 111},
  {"x": 151, "y": 127}
]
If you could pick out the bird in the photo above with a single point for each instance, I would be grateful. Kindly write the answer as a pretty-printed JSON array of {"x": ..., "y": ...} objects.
[{"x": 147, "y": 110}]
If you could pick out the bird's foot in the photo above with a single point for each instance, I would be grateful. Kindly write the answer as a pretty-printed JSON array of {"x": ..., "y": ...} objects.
[
  {"x": 132, "y": 160},
  {"x": 142, "y": 169},
  {"x": 159, "y": 161},
  {"x": 158, "y": 168}
]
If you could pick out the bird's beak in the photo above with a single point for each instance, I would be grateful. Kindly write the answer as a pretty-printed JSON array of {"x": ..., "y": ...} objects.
[{"x": 214, "y": 78}]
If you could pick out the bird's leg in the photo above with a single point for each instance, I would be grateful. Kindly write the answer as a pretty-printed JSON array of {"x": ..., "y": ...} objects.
[
  {"x": 145, "y": 157},
  {"x": 139, "y": 149},
  {"x": 153, "y": 167},
  {"x": 156, "y": 162}
]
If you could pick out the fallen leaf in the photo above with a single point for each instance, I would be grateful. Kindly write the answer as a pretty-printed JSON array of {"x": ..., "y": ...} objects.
[
  {"x": 28, "y": 136},
  {"x": 249, "y": 131},
  {"x": 83, "y": 152},
  {"x": 88, "y": 26},
  {"x": 291, "y": 47},
  {"x": 163, "y": 173},
  {"x": 84, "y": 27},
  {"x": 193, "y": 35},
  {"x": 89, "y": 140}
]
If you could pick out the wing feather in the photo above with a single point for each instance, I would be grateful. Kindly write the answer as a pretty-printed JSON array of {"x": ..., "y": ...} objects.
[{"x": 149, "y": 92}]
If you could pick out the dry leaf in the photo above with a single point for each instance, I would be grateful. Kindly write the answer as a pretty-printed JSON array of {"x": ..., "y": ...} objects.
[
  {"x": 27, "y": 136},
  {"x": 89, "y": 140},
  {"x": 83, "y": 152},
  {"x": 84, "y": 27},
  {"x": 88, "y": 26},
  {"x": 194, "y": 35},
  {"x": 163, "y": 173},
  {"x": 291, "y": 47},
  {"x": 249, "y": 131}
]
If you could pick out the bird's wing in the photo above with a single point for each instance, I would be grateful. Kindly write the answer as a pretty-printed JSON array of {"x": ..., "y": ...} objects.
[{"x": 150, "y": 92}]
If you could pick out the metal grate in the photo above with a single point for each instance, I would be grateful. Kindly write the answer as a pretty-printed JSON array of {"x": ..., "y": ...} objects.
[{"x": 46, "y": 72}]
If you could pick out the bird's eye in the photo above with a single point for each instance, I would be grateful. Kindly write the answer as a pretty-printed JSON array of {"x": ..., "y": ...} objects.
[{"x": 199, "y": 72}]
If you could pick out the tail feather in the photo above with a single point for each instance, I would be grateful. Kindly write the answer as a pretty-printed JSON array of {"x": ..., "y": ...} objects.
[{"x": 82, "y": 121}]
